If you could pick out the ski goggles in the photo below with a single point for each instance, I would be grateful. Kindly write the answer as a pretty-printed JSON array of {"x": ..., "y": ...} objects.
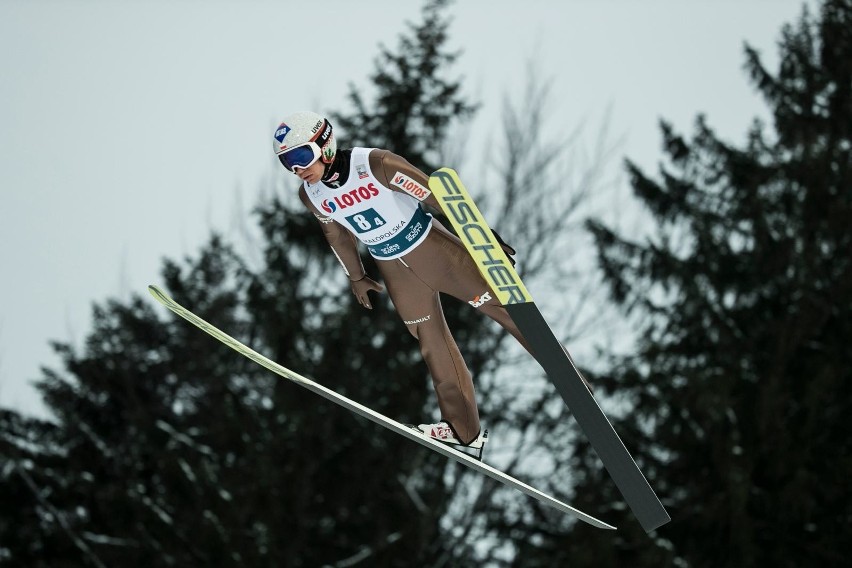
[{"x": 300, "y": 156}]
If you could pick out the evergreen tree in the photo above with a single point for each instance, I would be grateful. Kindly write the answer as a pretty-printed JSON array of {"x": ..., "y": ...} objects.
[
  {"x": 414, "y": 106},
  {"x": 741, "y": 380}
]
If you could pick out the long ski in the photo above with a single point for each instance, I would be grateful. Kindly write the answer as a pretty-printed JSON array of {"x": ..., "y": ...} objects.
[
  {"x": 498, "y": 271},
  {"x": 370, "y": 414}
]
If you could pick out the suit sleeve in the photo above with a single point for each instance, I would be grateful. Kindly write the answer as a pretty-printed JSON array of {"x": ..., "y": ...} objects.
[{"x": 343, "y": 243}]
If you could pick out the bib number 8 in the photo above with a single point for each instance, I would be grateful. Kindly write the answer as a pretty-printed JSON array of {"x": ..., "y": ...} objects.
[
  {"x": 362, "y": 222},
  {"x": 366, "y": 220}
]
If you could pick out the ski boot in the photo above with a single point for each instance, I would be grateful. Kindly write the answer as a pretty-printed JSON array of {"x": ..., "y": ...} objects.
[{"x": 442, "y": 432}]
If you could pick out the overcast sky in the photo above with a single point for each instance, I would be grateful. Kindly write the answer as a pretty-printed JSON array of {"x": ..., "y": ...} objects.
[{"x": 130, "y": 130}]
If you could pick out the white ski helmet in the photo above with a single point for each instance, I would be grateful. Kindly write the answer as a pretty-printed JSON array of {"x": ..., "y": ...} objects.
[{"x": 303, "y": 138}]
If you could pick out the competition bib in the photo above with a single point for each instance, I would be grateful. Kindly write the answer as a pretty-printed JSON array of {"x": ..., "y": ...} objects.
[{"x": 390, "y": 223}]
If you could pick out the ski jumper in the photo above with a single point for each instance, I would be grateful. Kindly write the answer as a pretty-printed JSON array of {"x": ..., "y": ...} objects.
[{"x": 378, "y": 202}]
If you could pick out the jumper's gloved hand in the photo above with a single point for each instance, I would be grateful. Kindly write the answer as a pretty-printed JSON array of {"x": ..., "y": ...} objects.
[
  {"x": 506, "y": 248},
  {"x": 362, "y": 286}
]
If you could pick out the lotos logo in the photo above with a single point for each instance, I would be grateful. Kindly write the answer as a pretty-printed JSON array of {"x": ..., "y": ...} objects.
[
  {"x": 282, "y": 131},
  {"x": 480, "y": 300},
  {"x": 350, "y": 198},
  {"x": 410, "y": 186}
]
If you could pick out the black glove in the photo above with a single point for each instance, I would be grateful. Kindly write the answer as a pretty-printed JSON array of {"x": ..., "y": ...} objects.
[{"x": 506, "y": 248}]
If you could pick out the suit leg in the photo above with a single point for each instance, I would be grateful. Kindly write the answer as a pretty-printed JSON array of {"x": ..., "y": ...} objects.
[{"x": 419, "y": 306}]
